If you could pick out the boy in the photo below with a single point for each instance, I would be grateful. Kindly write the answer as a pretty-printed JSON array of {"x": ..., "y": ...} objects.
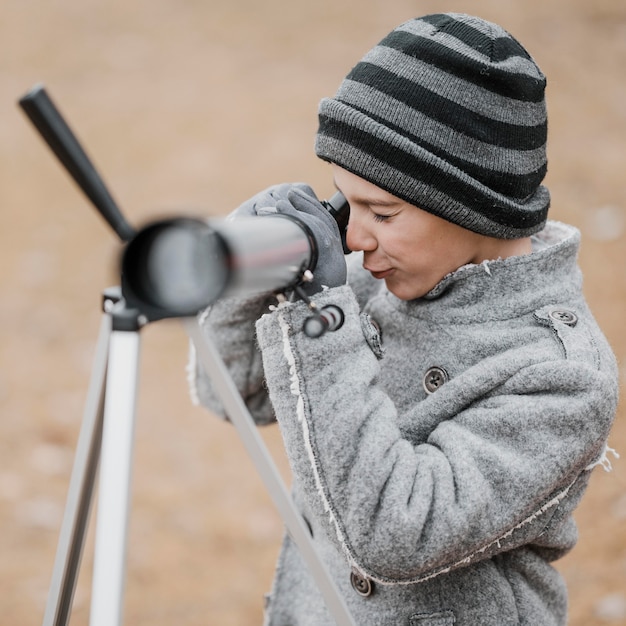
[{"x": 442, "y": 437}]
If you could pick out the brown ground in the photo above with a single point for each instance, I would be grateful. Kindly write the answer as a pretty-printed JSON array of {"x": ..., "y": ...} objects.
[{"x": 194, "y": 106}]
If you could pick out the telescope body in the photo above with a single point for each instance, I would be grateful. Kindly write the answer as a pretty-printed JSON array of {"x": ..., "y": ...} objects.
[{"x": 177, "y": 267}]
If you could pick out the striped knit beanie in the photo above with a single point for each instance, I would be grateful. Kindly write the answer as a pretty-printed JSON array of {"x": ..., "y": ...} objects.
[{"x": 448, "y": 114}]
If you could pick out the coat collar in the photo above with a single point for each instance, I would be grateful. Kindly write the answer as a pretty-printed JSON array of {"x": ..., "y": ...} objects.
[{"x": 504, "y": 288}]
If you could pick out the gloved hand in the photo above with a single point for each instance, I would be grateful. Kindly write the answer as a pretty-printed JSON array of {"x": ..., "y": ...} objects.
[
  {"x": 302, "y": 203},
  {"x": 268, "y": 198}
]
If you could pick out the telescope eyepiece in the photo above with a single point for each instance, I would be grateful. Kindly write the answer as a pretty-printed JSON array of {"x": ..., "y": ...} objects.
[{"x": 339, "y": 208}]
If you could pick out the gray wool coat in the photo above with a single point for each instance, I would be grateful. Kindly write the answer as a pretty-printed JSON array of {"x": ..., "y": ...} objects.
[{"x": 438, "y": 446}]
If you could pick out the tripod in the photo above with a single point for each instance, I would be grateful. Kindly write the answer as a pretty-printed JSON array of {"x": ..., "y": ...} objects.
[
  {"x": 107, "y": 431},
  {"x": 107, "y": 436}
]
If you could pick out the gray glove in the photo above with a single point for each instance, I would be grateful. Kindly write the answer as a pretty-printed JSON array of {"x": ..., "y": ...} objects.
[
  {"x": 268, "y": 198},
  {"x": 302, "y": 203}
]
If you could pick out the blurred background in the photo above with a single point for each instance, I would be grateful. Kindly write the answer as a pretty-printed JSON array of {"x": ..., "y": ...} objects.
[{"x": 191, "y": 107}]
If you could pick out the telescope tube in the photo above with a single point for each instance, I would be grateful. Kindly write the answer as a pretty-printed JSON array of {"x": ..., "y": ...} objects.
[{"x": 177, "y": 267}]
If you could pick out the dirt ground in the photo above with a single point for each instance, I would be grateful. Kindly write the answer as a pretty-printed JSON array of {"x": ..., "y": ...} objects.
[{"x": 191, "y": 107}]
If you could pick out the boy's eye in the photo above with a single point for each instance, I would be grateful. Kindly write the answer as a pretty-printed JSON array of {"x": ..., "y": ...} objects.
[{"x": 381, "y": 218}]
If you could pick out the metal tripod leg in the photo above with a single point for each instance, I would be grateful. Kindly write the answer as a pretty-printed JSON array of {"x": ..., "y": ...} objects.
[
  {"x": 107, "y": 432},
  {"x": 250, "y": 437},
  {"x": 80, "y": 493},
  {"x": 109, "y": 572}
]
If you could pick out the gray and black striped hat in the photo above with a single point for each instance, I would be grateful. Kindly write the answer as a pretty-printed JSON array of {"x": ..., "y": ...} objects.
[{"x": 447, "y": 113}]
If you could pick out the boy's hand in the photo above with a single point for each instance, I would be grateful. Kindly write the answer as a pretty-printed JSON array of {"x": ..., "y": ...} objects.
[
  {"x": 330, "y": 270},
  {"x": 268, "y": 198}
]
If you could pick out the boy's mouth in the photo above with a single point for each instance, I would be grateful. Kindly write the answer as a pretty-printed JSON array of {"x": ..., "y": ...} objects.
[{"x": 380, "y": 273}]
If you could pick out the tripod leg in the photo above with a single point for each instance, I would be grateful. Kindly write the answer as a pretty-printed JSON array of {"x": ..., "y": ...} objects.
[
  {"x": 115, "y": 479},
  {"x": 249, "y": 435},
  {"x": 77, "y": 507}
]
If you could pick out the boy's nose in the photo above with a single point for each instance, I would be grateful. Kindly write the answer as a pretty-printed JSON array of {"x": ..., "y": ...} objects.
[{"x": 358, "y": 237}]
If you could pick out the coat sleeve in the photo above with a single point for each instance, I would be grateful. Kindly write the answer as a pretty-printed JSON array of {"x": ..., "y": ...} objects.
[
  {"x": 511, "y": 446},
  {"x": 230, "y": 323}
]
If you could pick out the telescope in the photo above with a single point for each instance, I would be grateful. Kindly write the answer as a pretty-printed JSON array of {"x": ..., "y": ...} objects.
[{"x": 177, "y": 267}]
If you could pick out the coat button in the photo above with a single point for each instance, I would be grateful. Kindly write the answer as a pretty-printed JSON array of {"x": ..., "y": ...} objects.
[
  {"x": 378, "y": 328},
  {"x": 564, "y": 316},
  {"x": 434, "y": 378},
  {"x": 361, "y": 584}
]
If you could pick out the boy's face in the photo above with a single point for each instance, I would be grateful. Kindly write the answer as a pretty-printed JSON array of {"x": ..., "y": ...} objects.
[{"x": 411, "y": 249}]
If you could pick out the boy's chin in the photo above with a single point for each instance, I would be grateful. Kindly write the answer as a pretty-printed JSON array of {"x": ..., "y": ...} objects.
[{"x": 404, "y": 291}]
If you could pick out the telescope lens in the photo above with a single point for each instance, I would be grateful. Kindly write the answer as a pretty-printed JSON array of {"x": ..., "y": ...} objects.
[{"x": 177, "y": 267}]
